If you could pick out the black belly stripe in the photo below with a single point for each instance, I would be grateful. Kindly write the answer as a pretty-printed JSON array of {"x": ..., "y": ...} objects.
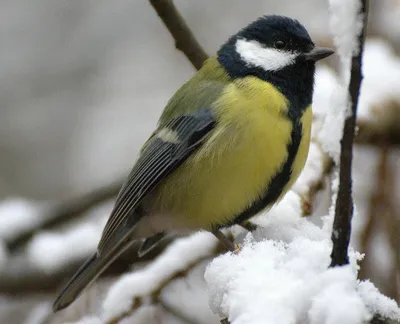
[{"x": 279, "y": 181}]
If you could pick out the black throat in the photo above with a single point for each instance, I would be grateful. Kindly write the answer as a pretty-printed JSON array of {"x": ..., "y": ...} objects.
[{"x": 295, "y": 82}]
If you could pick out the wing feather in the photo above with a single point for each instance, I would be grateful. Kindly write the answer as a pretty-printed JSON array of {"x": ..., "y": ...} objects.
[{"x": 158, "y": 159}]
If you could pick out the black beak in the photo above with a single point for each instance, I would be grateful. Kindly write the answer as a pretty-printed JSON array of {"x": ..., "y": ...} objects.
[{"x": 318, "y": 53}]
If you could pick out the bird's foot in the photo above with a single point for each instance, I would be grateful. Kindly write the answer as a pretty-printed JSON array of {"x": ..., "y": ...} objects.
[
  {"x": 238, "y": 248},
  {"x": 249, "y": 226}
]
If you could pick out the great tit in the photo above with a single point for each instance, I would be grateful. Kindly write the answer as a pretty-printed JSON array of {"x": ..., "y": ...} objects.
[{"x": 229, "y": 144}]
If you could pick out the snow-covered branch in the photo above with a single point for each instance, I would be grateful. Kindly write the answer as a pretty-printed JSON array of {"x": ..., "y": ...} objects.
[
  {"x": 349, "y": 22},
  {"x": 146, "y": 286}
]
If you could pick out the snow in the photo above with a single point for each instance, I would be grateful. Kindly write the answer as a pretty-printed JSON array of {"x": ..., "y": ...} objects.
[
  {"x": 326, "y": 81},
  {"x": 331, "y": 129},
  {"x": 337, "y": 300},
  {"x": 177, "y": 258},
  {"x": 330, "y": 100},
  {"x": 87, "y": 320},
  {"x": 376, "y": 302},
  {"x": 381, "y": 83},
  {"x": 346, "y": 24},
  {"x": 51, "y": 251},
  {"x": 18, "y": 215},
  {"x": 283, "y": 279},
  {"x": 283, "y": 222},
  {"x": 330, "y": 106},
  {"x": 286, "y": 278},
  {"x": 282, "y": 274},
  {"x": 189, "y": 297}
]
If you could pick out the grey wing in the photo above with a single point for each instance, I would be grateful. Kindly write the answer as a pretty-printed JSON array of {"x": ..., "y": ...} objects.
[{"x": 168, "y": 148}]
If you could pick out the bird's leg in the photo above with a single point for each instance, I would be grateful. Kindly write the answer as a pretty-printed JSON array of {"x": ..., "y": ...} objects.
[
  {"x": 224, "y": 240},
  {"x": 249, "y": 226}
]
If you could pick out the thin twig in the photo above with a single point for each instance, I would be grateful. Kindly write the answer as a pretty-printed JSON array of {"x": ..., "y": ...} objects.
[
  {"x": 184, "y": 39},
  {"x": 344, "y": 202}
]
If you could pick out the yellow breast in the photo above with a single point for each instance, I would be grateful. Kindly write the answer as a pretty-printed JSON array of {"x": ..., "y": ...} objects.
[{"x": 234, "y": 166}]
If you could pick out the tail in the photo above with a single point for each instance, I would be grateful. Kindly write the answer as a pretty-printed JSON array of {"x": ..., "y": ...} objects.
[{"x": 87, "y": 274}]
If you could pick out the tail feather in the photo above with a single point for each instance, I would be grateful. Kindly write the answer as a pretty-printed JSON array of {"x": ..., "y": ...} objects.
[{"x": 87, "y": 274}]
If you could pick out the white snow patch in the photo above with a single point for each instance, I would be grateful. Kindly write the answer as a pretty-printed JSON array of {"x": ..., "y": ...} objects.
[
  {"x": 346, "y": 23},
  {"x": 189, "y": 297},
  {"x": 325, "y": 82},
  {"x": 286, "y": 278},
  {"x": 51, "y": 251},
  {"x": 337, "y": 300},
  {"x": 87, "y": 320},
  {"x": 18, "y": 215},
  {"x": 283, "y": 222},
  {"x": 381, "y": 83},
  {"x": 378, "y": 303},
  {"x": 331, "y": 129}
]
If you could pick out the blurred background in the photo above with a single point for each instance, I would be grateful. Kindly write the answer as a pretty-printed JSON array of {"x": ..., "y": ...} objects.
[{"x": 82, "y": 84}]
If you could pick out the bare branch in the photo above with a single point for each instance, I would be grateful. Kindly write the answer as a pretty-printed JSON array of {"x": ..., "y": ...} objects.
[
  {"x": 184, "y": 39},
  {"x": 344, "y": 202}
]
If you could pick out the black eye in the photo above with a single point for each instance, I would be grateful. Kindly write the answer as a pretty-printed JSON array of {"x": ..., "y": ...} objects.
[{"x": 280, "y": 44}]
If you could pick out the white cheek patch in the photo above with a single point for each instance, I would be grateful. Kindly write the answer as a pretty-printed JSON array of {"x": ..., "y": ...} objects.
[{"x": 269, "y": 59}]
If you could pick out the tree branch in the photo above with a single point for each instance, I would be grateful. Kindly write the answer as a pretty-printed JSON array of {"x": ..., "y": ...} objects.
[
  {"x": 184, "y": 39},
  {"x": 344, "y": 202},
  {"x": 154, "y": 296}
]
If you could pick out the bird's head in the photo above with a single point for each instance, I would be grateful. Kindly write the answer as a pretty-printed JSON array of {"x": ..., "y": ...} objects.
[{"x": 276, "y": 49}]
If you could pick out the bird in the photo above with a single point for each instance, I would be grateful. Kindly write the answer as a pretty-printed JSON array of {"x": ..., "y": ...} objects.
[{"x": 229, "y": 144}]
